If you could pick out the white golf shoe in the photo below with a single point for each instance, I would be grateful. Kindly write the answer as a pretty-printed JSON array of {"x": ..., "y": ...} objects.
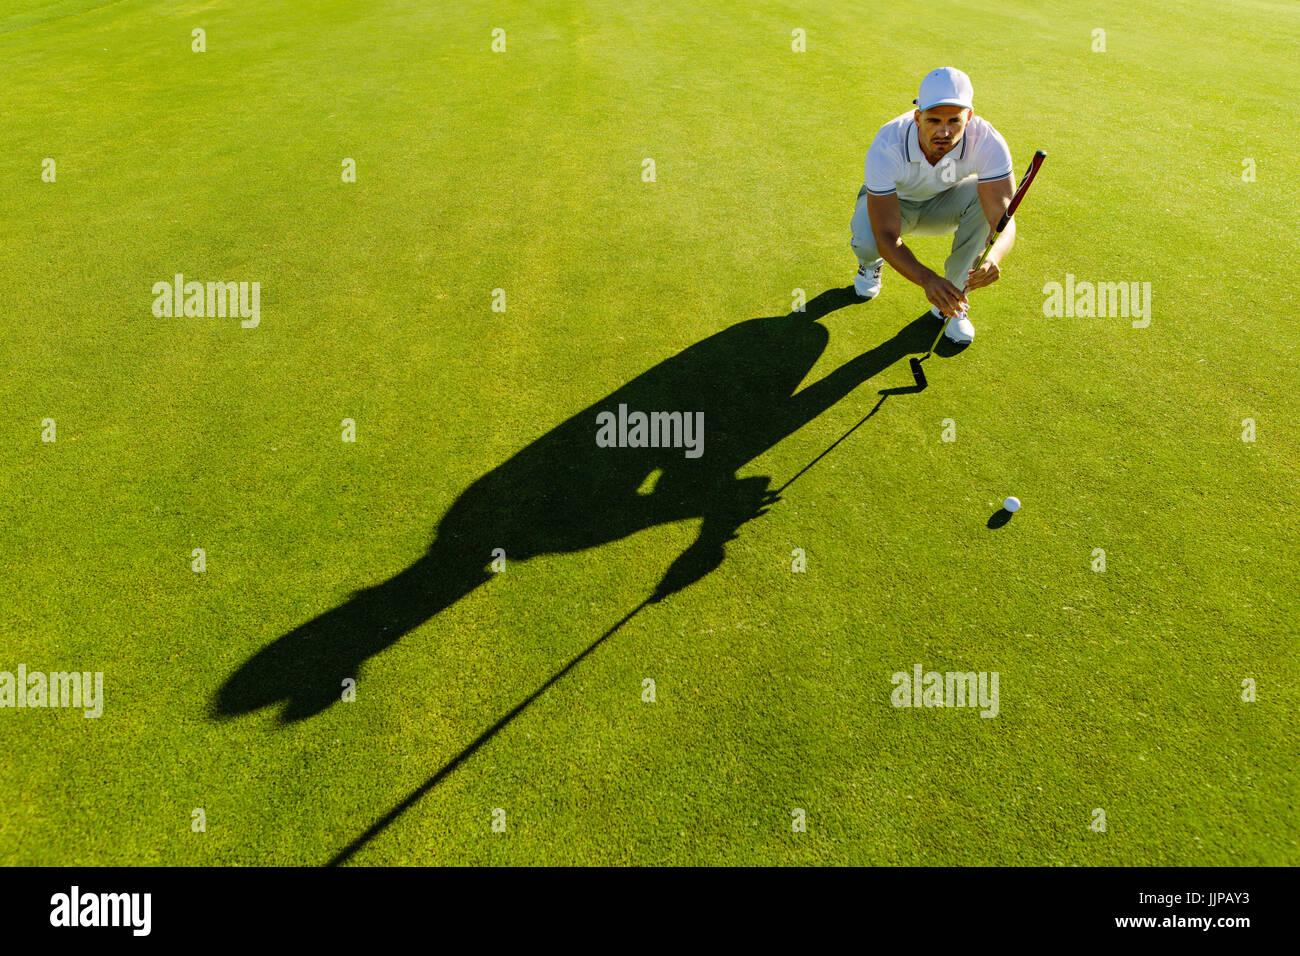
[
  {"x": 867, "y": 282},
  {"x": 959, "y": 330}
]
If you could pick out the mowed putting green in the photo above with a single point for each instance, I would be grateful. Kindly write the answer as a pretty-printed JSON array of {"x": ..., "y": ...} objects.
[{"x": 199, "y": 532}]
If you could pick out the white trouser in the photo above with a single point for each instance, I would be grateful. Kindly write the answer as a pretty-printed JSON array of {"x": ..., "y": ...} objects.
[{"x": 954, "y": 210}]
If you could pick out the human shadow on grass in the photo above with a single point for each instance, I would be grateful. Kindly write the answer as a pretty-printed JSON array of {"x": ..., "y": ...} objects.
[{"x": 563, "y": 493}]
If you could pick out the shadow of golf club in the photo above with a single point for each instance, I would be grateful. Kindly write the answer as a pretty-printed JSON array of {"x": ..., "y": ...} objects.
[{"x": 884, "y": 394}]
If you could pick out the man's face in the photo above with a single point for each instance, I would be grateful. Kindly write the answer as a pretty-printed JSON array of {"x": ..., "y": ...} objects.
[{"x": 941, "y": 128}]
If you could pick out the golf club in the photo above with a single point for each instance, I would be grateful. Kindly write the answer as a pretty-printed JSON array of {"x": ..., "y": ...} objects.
[{"x": 917, "y": 372}]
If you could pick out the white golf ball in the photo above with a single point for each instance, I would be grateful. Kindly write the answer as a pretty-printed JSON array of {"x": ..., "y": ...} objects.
[{"x": 1012, "y": 505}]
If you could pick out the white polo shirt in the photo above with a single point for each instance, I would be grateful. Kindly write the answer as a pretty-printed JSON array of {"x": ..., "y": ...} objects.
[{"x": 895, "y": 163}]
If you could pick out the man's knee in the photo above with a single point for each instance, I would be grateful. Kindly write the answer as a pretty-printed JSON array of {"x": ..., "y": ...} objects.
[
  {"x": 865, "y": 248},
  {"x": 861, "y": 239}
]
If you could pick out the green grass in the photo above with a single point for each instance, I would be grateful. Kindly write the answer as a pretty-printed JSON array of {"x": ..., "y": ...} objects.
[{"x": 476, "y": 171}]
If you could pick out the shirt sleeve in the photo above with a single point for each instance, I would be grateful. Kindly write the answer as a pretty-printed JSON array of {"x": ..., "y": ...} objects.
[
  {"x": 993, "y": 158},
  {"x": 882, "y": 173}
]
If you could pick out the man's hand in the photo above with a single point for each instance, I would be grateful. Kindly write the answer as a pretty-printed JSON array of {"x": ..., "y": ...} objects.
[
  {"x": 945, "y": 296},
  {"x": 986, "y": 274}
]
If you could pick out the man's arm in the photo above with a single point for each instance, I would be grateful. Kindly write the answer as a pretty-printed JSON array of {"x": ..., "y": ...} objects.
[
  {"x": 994, "y": 197},
  {"x": 887, "y": 227}
]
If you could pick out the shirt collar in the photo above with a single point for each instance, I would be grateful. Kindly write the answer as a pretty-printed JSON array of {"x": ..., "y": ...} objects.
[{"x": 912, "y": 146}]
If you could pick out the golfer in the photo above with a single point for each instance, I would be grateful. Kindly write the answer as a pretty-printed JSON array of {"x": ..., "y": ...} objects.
[{"x": 936, "y": 170}]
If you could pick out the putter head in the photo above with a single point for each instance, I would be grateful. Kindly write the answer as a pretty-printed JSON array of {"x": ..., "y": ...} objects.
[{"x": 917, "y": 372}]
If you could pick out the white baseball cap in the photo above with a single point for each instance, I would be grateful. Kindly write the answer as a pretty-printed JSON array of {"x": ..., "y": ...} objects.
[{"x": 946, "y": 86}]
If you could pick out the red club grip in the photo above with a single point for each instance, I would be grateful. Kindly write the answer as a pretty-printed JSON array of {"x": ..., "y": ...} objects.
[{"x": 1023, "y": 188}]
